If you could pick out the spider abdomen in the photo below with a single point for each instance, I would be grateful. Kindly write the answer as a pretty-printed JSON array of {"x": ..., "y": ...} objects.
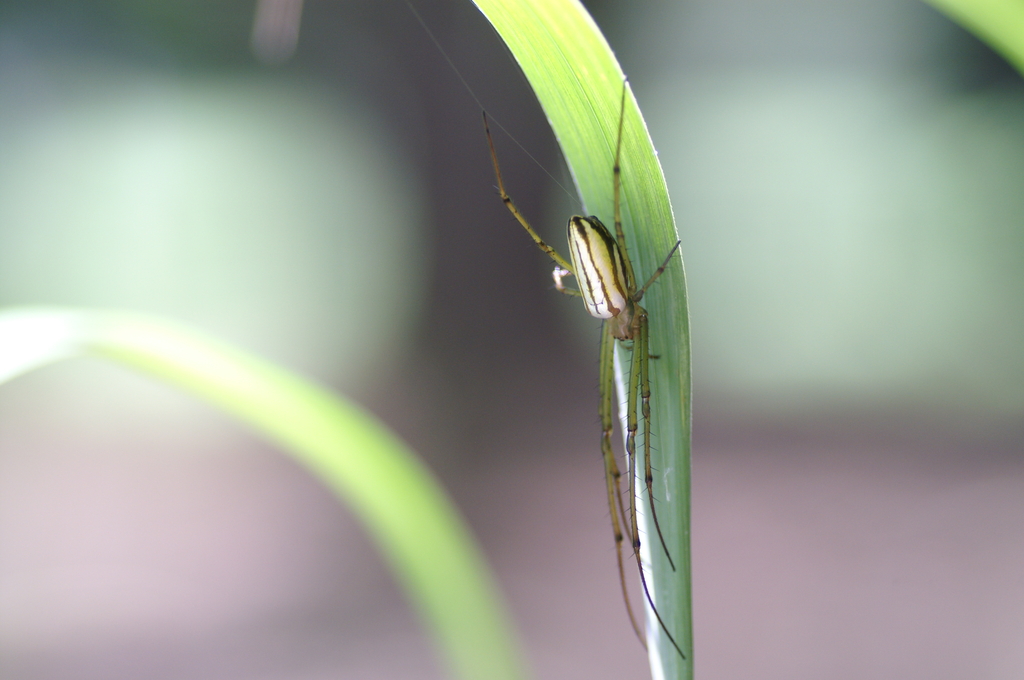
[{"x": 599, "y": 268}]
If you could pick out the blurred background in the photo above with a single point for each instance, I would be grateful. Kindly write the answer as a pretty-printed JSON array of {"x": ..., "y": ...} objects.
[{"x": 846, "y": 179}]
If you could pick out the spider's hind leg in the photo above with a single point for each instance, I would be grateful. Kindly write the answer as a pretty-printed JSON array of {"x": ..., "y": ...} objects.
[{"x": 558, "y": 274}]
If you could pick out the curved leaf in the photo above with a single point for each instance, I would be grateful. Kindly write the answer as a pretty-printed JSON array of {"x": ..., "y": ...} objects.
[
  {"x": 398, "y": 500},
  {"x": 1000, "y": 23},
  {"x": 579, "y": 84}
]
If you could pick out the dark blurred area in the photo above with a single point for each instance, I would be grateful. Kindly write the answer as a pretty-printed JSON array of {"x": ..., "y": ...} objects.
[{"x": 846, "y": 180}]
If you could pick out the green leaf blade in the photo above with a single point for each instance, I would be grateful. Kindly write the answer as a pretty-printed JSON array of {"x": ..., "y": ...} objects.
[
  {"x": 579, "y": 84},
  {"x": 405, "y": 512},
  {"x": 1000, "y": 23}
]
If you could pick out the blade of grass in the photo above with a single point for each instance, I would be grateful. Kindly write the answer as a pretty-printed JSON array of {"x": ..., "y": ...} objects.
[
  {"x": 399, "y": 502},
  {"x": 1000, "y": 23},
  {"x": 579, "y": 83}
]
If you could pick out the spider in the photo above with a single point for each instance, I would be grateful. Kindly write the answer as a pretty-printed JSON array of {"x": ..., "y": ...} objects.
[{"x": 608, "y": 287}]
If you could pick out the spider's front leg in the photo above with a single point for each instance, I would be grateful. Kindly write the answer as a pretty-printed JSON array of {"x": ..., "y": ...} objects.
[
  {"x": 640, "y": 385},
  {"x": 612, "y": 476},
  {"x": 642, "y": 353}
]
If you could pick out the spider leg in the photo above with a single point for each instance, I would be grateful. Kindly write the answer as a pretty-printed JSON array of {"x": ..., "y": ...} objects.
[
  {"x": 507, "y": 200},
  {"x": 617, "y": 191},
  {"x": 661, "y": 270},
  {"x": 558, "y": 274},
  {"x": 612, "y": 475},
  {"x": 631, "y": 427},
  {"x": 645, "y": 408}
]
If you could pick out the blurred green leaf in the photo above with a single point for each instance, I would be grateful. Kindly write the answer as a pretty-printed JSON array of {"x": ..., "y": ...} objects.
[
  {"x": 579, "y": 84},
  {"x": 402, "y": 506},
  {"x": 1000, "y": 23}
]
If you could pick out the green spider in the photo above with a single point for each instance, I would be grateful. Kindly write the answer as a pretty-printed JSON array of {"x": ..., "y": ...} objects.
[{"x": 608, "y": 287}]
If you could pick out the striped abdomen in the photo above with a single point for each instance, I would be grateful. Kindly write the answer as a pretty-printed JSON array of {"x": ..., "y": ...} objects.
[{"x": 600, "y": 271}]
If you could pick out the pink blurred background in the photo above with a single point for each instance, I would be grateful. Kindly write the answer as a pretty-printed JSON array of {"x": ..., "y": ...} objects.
[{"x": 846, "y": 179}]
